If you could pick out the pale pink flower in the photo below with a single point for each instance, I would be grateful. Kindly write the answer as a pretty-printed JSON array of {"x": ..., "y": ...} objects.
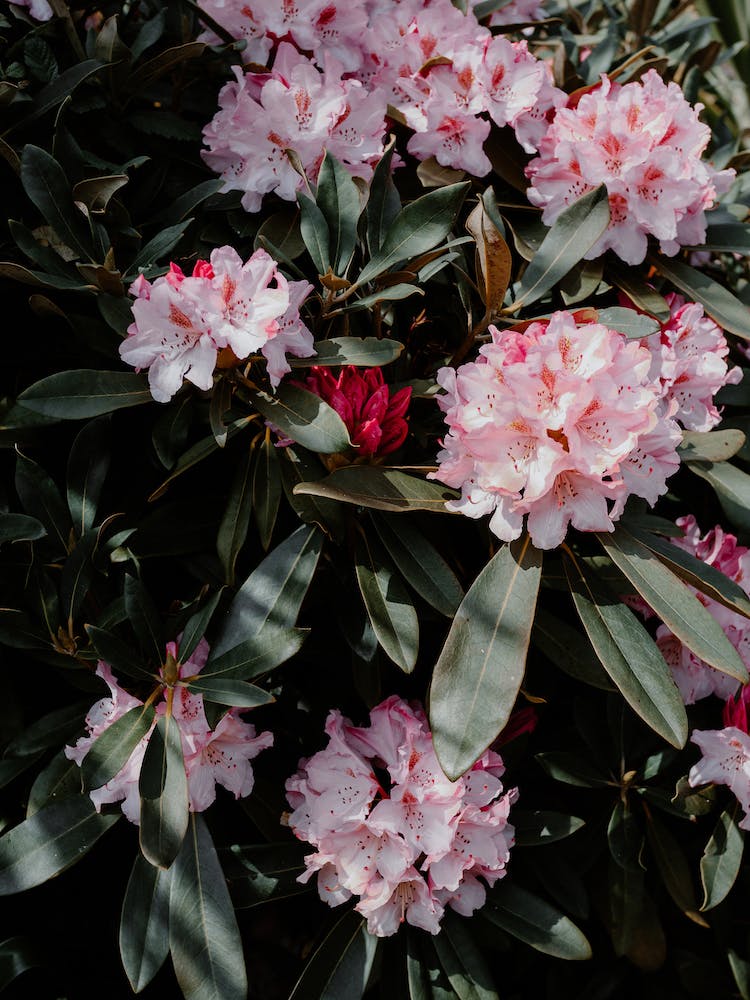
[
  {"x": 40, "y": 10},
  {"x": 725, "y": 761},
  {"x": 212, "y": 756},
  {"x": 181, "y": 323},
  {"x": 556, "y": 423},
  {"x": 644, "y": 142},
  {"x": 517, "y": 12},
  {"x": 379, "y": 839}
]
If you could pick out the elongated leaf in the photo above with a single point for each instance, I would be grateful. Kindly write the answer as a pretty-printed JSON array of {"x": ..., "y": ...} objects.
[
  {"x": 51, "y": 730},
  {"x": 535, "y": 922},
  {"x": 273, "y": 593},
  {"x": 47, "y": 186},
  {"x": 416, "y": 229},
  {"x": 481, "y": 666},
  {"x": 720, "y": 864},
  {"x": 110, "y": 752},
  {"x": 154, "y": 68},
  {"x": 80, "y": 394},
  {"x": 200, "y": 450},
  {"x": 390, "y": 293},
  {"x": 41, "y": 498},
  {"x": 315, "y": 234},
  {"x": 144, "y": 923},
  {"x": 144, "y": 618},
  {"x": 49, "y": 842},
  {"x": 190, "y": 200},
  {"x": 543, "y": 827},
  {"x": 266, "y": 491},
  {"x": 572, "y": 769},
  {"x": 305, "y": 418},
  {"x": 261, "y": 872},
  {"x": 203, "y": 935},
  {"x": 236, "y": 519},
  {"x": 493, "y": 258},
  {"x": 673, "y": 868},
  {"x": 76, "y": 578},
  {"x": 253, "y": 657},
  {"x": 380, "y": 488},
  {"x": 632, "y": 324},
  {"x": 88, "y": 463},
  {"x": 569, "y": 650},
  {"x": 338, "y": 198},
  {"x": 364, "y": 352},
  {"x": 574, "y": 232},
  {"x": 624, "y": 837},
  {"x": 196, "y": 627},
  {"x": 300, "y": 466},
  {"x": 120, "y": 656},
  {"x": 629, "y": 655},
  {"x": 421, "y": 564},
  {"x": 61, "y": 87},
  {"x": 20, "y": 528},
  {"x": 671, "y": 600},
  {"x": 389, "y": 608},
  {"x": 696, "y": 572},
  {"x": 164, "y": 794},
  {"x": 157, "y": 248},
  {"x": 719, "y": 303},
  {"x": 711, "y": 446},
  {"x": 229, "y": 691},
  {"x": 732, "y": 487},
  {"x": 340, "y": 966},
  {"x": 462, "y": 961},
  {"x": 384, "y": 204},
  {"x": 17, "y": 955}
]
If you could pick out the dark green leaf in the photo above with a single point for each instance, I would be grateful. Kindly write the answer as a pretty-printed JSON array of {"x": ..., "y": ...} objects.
[
  {"x": 118, "y": 654},
  {"x": 112, "y": 749},
  {"x": 229, "y": 691},
  {"x": 389, "y": 608},
  {"x": 719, "y": 303},
  {"x": 166, "y": 61},
  {"x": 741, "y": 973},
  {"x": 629, "y": 655},
  {"x": 572, "y": 769},
  {"x": 383, "y": 204},
  {"x": 56, "y": 91},
  {"x": 49, "y": 842},
  {"x": 95, "y": 192},
  {"x": 624, "y": 837},
  {"x": 481, "y": 666},
  {"x": 674, "y": 603},
  {"x": 203, "y": 935},
  {"x": 338, "y": 198},
  {"x": 17, "y": 955},
  {"x": 266, "y": 493},
  {"x": 673, "y": 868},
  {"x": 305, "y": 418},
  {"x": 380, "y": 488},
  {"x": 282, "y": 231},
  {"x": 76, "y": 577},
  {"x": 543, "y": 827},
  {"x": 536, "y": 922},
  {"x": 88, "y": 463},
  {"x": 390, "y": 293},
  {"x": 574, "y": 232},
  {"x": 157, "y": 248},
  {"x": 163, "y": 789},
  {"x": 144, "y": 923},
  {"x": 340, "y": 966},
  {"x": 20, "y": 528},
  {"x": 273, "y": 593},
  {"x": 149, "y": 34},
  {"x": 195, "y": 454},
  {"x": 42, "y": 500},
  {"x": 196, "y": 627},
  {"x": 419, "y": 227},
  {"x": 564, "y": 646},
  {"x": 421, "y": 564},
  {"x": 632, "y": 324},
  {"x": 300, "y": 466},
  {"x": 51, "y": 730},
  {"x": 80, "y": 394},
  {"x": 720, "y": 864},
  {"x": 262, "y": 872},
  {"x": 365, "y": 352},
  {"x": 144, "y": 618},
  {"x": 462, "y": 961},
  {"x": 60, "y": 779},
  {"x": 732, "y": 487},
  {"x": 259, "y": 655},
  {"x": 188, "y": 201},
  {"x": 47, "y": 186},
  {"x": 314, "y": 229}
]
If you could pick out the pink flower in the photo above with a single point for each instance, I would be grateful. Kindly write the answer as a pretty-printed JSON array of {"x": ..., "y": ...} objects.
[
  {"x": 725, "y": 761},
  {"x": 643, "y": 141},
  {"x": 406, "y": 845},
  {"x": 375, "y": 419},
  {"x": 40, "y": 10},
  {"x": 554, "y": 422},
  {"x": 212, "y": 756},
  {"x": 181, "y": 323}
]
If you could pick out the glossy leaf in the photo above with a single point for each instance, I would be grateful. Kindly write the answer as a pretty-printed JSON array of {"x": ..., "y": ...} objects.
[
  {"x": 732, "y": 487},
  {"x": 60, "y": 779},
  {"x": 262, "y": 872},
  {"x": 315, "y": 234},
  {"x": 88, "y": 463},
  {"x": 480, "y": 669},
  {"x": 535, "y": 922},
  {"x": 671, "y": 600},
  {"x": 47, "y": 186},
  {"x": 20, "y": 528},
  {"x": 572, "y": 769},
  {"x": 632, "y": 324},
  {"x": 338, "y": 198},
  {"x": 673, "y": 868},
  {"x": 272, "y": 646},
  {"x": 389, "y": 608},
  {"x": 144, "y": 923},
  {"x": 52, "y": 730},
  {"x": 541, "y": 826},
  {"x": 720, "y": 864},
  {"x": 340, "y": 966},
  {"x": 230, "y": 691},
  {"x": 118, "y": 654},
  {"x": 383, "y": 204},
  {"x": 163, "y": 789},
  {"x": 719, "y": 303},
  {"x": 144, "y": 618},
  {"x": 629, "y": 655},
  {"x": 41, "y": 498},
  {"x": 568, "y": 649},
  {"x": 420, "y": 564},
  {"x": 572, "y": 235},
  {"x": 203, "y": 935},
  {"x": 462, "y": 961},
  {"x": 196, "y": 627},
  {"x": 305, "y": 418},
  {"x": 77, "y": 575},
  {"x": 624, "y": 837},
  {"x": 80, "y": 394},
  {"x": 157, "y": 248},
  {"x": 236, "y": 518},
  {"x": 112, "y": 749},
  {"x": 266, "y": 490},
  {"x": 364, "y": 352},
  {"x": 380, "y": 488},
  {"x": 17, "y": 955},
  {"x": 49, "y": 842}
]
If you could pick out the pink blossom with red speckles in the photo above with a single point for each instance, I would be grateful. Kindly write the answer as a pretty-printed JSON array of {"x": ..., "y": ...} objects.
[
  {"x": 181, "y": 323},
  {"x": 725, "y": 761},
  {"x": 553, "y": 424},
  {"x": 644, "y": 142},
  {"x": 219, "y": 756},
  {"x": 391, "y": 829}
]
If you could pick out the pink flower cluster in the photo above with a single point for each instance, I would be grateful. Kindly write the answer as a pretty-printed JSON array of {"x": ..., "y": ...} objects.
[
  {"x": 391, "y": 829},
  {"x": 181, "y": 323},
  {"x": 437, "y": 69},
  {"x": 693, "y": 676},
  {"x": 554, "y": 422},
  {"x": 689, "y": 360},
  {"x": 38, "y": 9},
  {"x": 644, "y": 142},
  {"x": 375, "y": 419},
  {"x": 726, "y": 754},
  {"x": 212, "y": 756}
]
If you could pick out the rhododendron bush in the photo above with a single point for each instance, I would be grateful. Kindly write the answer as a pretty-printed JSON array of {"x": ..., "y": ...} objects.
[{"x": 375, "y": 499}]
